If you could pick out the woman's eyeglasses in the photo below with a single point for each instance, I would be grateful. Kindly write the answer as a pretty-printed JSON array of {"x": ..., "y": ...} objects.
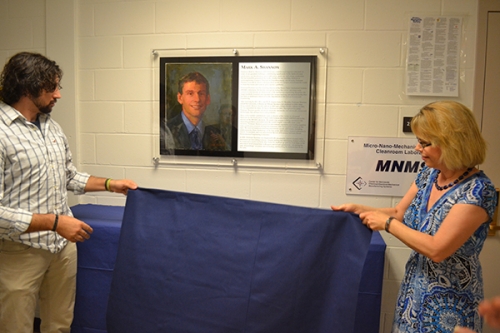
[{"x": 423, "y": 144}]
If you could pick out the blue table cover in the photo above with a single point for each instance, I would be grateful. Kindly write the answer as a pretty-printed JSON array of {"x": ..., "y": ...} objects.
[{"x": 197, "y": 263}]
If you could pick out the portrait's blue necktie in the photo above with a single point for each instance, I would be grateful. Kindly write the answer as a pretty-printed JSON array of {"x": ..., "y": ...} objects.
[{"x": 194, "y": 136}]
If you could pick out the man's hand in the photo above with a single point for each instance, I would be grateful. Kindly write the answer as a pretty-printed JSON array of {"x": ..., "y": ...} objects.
[
  {"x": 122, "y": 185},
  {"x": 107, "y": 184},
  {"x": 73, "y": 229}
]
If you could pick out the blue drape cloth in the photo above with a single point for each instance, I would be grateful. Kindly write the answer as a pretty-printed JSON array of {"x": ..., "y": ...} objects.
[
  {"x": 198, "y": 263},
  {"x": 96, "y": 262}
]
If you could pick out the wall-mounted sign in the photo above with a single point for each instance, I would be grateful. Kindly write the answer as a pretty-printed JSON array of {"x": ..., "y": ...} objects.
[{"x": 381, "y": 166}]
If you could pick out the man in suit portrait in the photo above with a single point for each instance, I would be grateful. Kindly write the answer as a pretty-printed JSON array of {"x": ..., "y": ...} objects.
[{"x": 187, "y": 128}]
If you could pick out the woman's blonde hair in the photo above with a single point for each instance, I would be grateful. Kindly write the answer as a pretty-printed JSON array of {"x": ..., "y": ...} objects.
[{"x": 452, "y": 127}]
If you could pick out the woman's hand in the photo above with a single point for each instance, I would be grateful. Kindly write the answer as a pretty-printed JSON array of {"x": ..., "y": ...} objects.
[
  {"x": 374, "y": 220},
  {"x": 463, "y": 330},
  {"x": 349, "y": 207}
]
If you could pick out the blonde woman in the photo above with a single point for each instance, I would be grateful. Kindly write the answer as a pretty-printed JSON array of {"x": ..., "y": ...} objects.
[{"x": 444, "y": 218}]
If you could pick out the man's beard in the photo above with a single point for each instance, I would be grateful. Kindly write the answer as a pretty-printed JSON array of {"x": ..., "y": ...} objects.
[{"x": 45, "y": 109}]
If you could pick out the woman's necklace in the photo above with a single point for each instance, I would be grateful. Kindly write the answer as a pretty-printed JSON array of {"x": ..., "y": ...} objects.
[{"x": 439, "y": 188}]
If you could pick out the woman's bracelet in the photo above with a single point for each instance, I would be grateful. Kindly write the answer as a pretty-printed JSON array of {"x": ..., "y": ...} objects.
[{"x": 388, "y": 223}]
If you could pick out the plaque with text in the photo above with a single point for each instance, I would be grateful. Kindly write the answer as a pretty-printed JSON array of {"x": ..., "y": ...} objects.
[{"x": 244, "y": 106}]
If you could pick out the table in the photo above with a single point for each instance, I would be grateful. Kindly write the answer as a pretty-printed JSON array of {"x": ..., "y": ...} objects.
[{"x": 96, "y": 259}]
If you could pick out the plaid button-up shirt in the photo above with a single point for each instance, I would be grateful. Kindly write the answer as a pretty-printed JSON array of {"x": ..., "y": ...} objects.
[{"x": 36, "y": 171}]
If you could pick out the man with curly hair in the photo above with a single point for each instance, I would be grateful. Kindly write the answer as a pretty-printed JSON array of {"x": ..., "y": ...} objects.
[{"x": 37, "y": 229}]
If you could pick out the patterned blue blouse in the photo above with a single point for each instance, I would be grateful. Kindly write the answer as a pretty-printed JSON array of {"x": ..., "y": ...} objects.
[{"x": 435, "y": 297}]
